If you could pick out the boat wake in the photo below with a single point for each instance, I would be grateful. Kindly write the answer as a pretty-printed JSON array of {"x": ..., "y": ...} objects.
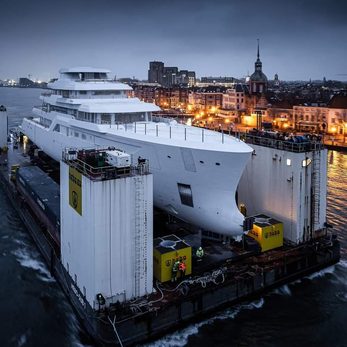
[
  {"x": 342, "y": 296},
  {"x": 284, "y": 290},
  {"x": 342, "y": 263},
  {"x": 322, "y": 273},
  {"x": 22, "y": 340},
  {"x": 180, "y": 337},
  {"x": 30, "y": 260}
]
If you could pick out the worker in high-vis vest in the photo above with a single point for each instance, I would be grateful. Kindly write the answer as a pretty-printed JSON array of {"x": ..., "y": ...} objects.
[
  {"x": 174, "y": 271},
  {"x": 199, "y": 253},
  {"x": 182, "y": 268}
]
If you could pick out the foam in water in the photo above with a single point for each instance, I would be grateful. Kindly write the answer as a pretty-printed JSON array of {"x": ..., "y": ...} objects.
[
  {"x": 29, "y": 261},
  {"x": 284, "y": 290},
  {"x": 180, "y": 337},
  {"x": 342, "y": 296},
  {"x": 342, "y": 263},
  {"x": 322, "y": 273},
  {"x": 22, "y": 340},
  {"x": 74, "y": 331}
]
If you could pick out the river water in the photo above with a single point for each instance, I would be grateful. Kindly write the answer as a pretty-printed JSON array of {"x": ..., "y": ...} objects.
[{"x": 309, "y": 312}]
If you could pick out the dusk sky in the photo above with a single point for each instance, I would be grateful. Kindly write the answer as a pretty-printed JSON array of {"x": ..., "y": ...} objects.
[{"x": 299, "y": 39}]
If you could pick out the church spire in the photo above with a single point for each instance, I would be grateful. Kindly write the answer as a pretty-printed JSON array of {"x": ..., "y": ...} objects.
[
  {"x": 258, "y": 64},
  {"x": 258, "y": 49}
]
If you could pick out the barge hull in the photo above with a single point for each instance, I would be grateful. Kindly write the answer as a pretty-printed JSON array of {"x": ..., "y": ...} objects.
[{"x": 255, "y": 279}]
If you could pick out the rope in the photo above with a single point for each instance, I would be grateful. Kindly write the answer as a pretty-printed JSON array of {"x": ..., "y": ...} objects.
[
  {"x": 113, "y": 323},
  {"x": 136, "y": 306},
  {"x": 202, "y": 280},
  {"x": 183, "y": 288}
]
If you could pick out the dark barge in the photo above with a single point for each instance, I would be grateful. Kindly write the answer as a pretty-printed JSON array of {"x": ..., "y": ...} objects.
[{"x": 172, "y": 306}]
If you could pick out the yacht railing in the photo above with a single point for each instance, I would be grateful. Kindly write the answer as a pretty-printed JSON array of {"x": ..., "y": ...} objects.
[
  {"x": 42, "y": 108},
  {"x": 96, "y": 80},
  {"x": 159, "y": 119},
  {"x": 296, "y": 144},
  {"x": 175, "y": 132}
]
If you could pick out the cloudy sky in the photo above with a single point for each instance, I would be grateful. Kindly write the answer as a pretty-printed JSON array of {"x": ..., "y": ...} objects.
[{"x": 300, "y": 39}]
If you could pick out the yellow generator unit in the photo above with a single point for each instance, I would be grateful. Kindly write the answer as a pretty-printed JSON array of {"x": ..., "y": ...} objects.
[
  {"x": 14, "y": 169},
  {"x": 167, "y": 250},
  {"x": 267, "y": 231}
]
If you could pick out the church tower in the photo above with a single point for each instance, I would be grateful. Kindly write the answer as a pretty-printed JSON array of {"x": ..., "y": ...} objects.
[{"x": 258, "y": 80}]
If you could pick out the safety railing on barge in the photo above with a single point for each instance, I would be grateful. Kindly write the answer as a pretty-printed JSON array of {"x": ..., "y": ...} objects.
[
  {"x": 297, "y": 144},
  {"x": 75, "y": 158}
]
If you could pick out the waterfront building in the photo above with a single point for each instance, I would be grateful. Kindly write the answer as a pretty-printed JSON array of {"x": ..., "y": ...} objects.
[
  {"x": 155, "y": 72},
  {"x": 235, "y": 97},
  {"x": 26, "y": 82},
  {"x": 218, "y": 80},
  {"x": 331, "y": 119},
  {"x": 208, "y": 99},
  {"x": 169, "y": 76}
]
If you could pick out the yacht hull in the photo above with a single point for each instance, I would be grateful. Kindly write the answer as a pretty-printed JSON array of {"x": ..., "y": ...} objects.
[{"x": 196, "y": 185}]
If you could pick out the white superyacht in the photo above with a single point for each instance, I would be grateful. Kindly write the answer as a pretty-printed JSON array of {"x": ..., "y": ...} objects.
[{"x": 196, "y": 171}]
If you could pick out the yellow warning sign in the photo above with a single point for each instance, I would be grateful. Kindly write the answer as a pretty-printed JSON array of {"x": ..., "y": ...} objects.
[{"x": 75, "y": 190}]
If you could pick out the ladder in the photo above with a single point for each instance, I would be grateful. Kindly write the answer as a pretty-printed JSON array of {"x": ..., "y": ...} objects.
[
  {"x": 140, "y": 233},
  {"x": 315, "y": 188}
]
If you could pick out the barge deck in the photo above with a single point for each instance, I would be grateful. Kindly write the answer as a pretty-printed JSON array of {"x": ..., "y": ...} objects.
[{"x": 173, "y": 305}]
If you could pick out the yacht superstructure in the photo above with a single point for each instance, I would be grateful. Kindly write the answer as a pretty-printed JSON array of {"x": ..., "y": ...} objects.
[{"x": 195, "y": 171}]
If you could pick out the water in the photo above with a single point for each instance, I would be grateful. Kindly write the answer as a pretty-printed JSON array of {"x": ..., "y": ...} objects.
[{"x": 308, "y": 312}]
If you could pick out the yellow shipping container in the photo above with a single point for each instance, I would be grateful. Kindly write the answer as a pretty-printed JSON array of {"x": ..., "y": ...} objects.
[
  {"x": 167, "y": 250},
  {"x": 267, "y": 231}
]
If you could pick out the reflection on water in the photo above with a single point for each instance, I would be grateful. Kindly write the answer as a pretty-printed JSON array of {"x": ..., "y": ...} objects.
[
  {"x": 337, "y": 196},
  {"x": 337, "y": 189}
]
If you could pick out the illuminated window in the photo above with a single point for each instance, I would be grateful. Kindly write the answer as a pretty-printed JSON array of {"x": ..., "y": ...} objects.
[
  {"x": 306, "y": 162},
  {"x": 289, "y": 162}
]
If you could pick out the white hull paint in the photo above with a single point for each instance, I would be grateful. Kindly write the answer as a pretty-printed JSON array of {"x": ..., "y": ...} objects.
[{"x": 212, "y": 174}]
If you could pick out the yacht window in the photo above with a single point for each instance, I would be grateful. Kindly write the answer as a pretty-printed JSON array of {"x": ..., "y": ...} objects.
[
  {"x": 105, "y": 118},
  {"x": 130, "y": 117},
  {"x": 83, "y": 92},
  {"x": 186, "y": 195},
  {"x": 77, "y": 134},
  {"x": 84, "y": 136},
  {"x": 57, "y": 128},
  {"x": 106, "y": 92},
  {"x": 89, "y": 75}
]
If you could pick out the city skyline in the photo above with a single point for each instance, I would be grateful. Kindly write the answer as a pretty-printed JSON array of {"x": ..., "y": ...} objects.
[{"x": 300, "y": 40}]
